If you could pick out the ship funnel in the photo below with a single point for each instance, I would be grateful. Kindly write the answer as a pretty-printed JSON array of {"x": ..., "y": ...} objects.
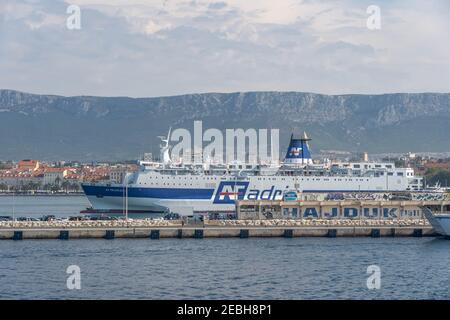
[{"x": 298, "y": 150}]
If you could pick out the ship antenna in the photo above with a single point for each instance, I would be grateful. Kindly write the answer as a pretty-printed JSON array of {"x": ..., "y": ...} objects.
[{"x": 165, "y": 139}]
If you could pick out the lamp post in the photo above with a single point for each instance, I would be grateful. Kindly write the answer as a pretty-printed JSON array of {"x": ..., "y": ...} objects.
[
  {"x": 14, "y": 207},
  {"x": 126, "y": 202}
]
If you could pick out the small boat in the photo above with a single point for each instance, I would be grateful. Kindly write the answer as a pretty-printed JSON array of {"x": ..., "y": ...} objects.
[{"x": 439, "y": 221}]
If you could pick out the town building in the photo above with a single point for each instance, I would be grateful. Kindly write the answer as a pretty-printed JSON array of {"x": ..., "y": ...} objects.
[
  {"x": 31, "y": 165},
  {"x": 54, "y": 175},
  {"x": 117, "y": 174}
]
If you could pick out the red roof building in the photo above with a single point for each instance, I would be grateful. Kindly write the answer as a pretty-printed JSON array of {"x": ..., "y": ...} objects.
[{"x": 28, "y": 164}]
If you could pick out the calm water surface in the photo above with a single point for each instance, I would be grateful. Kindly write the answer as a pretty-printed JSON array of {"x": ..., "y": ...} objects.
[
  {"x": 278, "y": 268},
  {"x": 37, "y": 206}
]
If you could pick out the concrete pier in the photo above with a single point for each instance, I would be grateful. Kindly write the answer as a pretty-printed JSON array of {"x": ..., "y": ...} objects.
[{"x": 213, "y": 229}]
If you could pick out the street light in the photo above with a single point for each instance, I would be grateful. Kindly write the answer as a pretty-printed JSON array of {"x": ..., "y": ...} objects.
[{"x": 14, "y": 206}]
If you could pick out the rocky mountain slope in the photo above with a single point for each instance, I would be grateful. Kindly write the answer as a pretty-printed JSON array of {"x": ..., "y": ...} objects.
[{"x": 102, "y": 128}]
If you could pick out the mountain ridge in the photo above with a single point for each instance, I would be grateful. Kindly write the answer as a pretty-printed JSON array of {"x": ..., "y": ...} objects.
[{"x": 99, "y": 128}]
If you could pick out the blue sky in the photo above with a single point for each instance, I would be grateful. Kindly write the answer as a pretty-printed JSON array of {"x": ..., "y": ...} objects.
[{"x": 156, "y": 48}]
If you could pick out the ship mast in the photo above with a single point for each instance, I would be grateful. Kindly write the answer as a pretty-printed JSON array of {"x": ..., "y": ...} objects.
[{"x": 165, "y": 148}]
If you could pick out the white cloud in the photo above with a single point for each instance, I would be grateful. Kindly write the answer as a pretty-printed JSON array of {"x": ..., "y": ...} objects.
[{"x": 148, "y": 48}]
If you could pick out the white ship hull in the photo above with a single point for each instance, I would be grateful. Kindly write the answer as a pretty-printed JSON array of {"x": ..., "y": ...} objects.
[{"x": 189, "y": 193}]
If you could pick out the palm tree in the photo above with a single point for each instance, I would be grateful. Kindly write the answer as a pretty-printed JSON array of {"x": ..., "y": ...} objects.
[
  {"x": 65, "y": 185},
  {"x": 57, "y": 180}
]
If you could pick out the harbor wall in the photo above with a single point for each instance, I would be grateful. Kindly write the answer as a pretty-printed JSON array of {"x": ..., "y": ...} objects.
[
  {"x": 215, "y": 232},
  {"x": 258, "y": 218}
]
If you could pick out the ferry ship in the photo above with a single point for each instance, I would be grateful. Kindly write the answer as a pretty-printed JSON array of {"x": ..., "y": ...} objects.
[{"x": 199, "y": 188}]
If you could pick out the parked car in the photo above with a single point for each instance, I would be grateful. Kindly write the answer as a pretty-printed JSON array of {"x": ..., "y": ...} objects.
[
  {"x": 78, "y": 218},
  {"x": 48, "y": 218},
  {"x": 172, "y": 216},
  {"x": 27, "y": 219}
]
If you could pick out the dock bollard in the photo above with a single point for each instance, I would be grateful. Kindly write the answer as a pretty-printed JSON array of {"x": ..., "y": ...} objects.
[
  {"x": 18, "y": 235},
  {"x": 392, "y": 232},
  {"x": 109, "y": 234},
  {"x": 154, "y": 234},
  {"x": 375, "y": 233},
  {"x": 244, "y": 234},
  {"x": 332, "y": 233},
  {"x": 417, "y": 233},
  {"x": 288, "y": 233},
  {"x": 198, "y": 234},
  {"x": 64, "y": 235}
]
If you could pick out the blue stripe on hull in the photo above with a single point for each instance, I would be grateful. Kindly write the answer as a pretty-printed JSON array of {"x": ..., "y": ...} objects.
[{"x": 158, "y": 193}]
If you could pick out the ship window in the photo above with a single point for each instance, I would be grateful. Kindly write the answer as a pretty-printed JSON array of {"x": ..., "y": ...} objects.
[{"x": 400, "y": 174}]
